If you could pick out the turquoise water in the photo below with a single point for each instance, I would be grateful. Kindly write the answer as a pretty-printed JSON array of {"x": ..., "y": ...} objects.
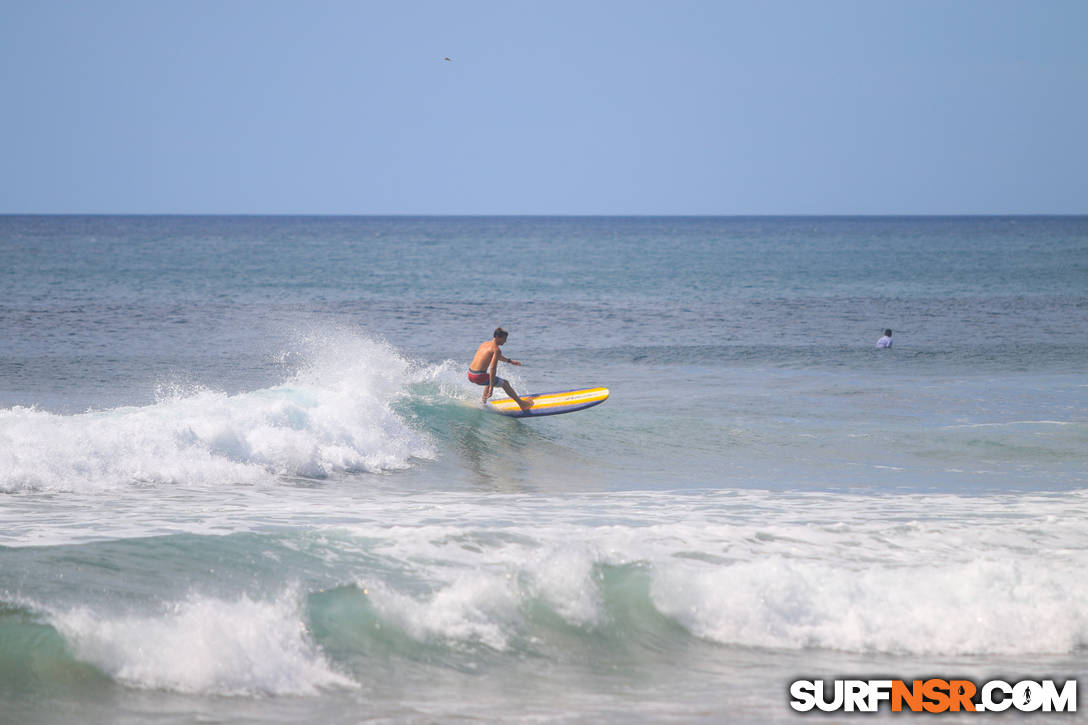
[{"x": 243, "y": 477}]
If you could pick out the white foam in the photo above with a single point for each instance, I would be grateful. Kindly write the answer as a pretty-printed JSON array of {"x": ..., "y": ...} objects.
[
  {"x": 980, "y": 607},
  {"x": 1015, "y": 423},
  {"x": 204, "y": 645},
  {"x": 915, "y": 575},
  {"x": 563, "y": 577},
  {"x": 936, "y": 574},
  {"x": 475, "y": 607},
  {"x": 485, "y": 601},
  {"x": 334, "y": 415}
]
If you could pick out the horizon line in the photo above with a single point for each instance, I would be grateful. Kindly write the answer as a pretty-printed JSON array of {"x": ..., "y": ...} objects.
[{"x": 437, "y": 215}]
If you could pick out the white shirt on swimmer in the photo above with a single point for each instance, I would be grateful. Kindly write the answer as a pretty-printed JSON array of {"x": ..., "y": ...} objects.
[{"x": 885, "y": 341}]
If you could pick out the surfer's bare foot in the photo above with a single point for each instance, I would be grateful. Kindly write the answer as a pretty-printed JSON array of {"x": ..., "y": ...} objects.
[{"x": 525, "y": 403}]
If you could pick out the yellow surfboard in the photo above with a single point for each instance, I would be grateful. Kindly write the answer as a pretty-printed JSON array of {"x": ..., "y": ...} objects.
[{"x": 566, "y": 401}]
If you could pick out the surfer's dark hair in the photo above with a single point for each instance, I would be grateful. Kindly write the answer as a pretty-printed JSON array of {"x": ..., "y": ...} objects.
[
  {"x": 888, "y": 333},
  {"x": 499, "y": 332}
]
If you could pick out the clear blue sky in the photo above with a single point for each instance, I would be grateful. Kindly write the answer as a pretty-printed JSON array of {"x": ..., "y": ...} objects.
[{"x": 626, "y": 107}]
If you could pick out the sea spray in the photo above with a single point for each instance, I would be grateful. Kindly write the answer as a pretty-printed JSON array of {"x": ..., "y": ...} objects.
[
  {"x": 203, "y": 645},
  {"x": 334, "y": 414}
]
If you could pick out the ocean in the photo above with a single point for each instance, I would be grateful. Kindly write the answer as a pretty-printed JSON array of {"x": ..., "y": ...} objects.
[{"x": 244, "y": 479}]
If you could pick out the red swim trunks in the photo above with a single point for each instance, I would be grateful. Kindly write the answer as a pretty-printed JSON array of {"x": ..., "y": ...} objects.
[{"x": 480, "y": 377}]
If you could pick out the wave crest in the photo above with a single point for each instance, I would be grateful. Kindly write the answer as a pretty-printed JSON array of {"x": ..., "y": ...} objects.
[{"x": 334, "y": 414}]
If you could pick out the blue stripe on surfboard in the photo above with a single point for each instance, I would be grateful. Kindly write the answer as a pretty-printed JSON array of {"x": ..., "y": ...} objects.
[
  {"x": 531, "y": 413},
  {"x": 550, "y": 408}
]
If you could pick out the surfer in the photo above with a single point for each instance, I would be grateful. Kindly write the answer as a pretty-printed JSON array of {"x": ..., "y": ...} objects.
[
  {"x": 885, "y": 341},
  {"x": 484, "y": 363}
]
